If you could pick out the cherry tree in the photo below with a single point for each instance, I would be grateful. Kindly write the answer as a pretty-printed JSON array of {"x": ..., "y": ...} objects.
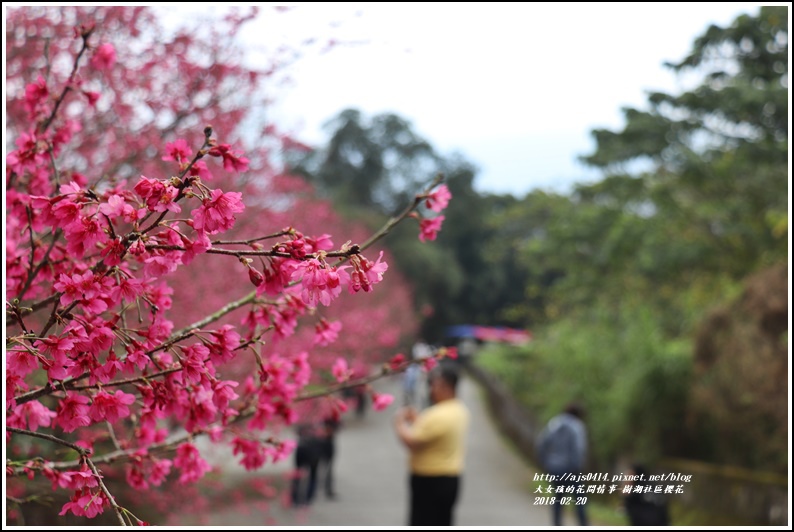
[{"x": 165, "y": 279}]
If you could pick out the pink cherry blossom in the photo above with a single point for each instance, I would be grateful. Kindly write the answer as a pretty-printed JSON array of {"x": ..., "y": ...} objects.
[
  {"x": 366, "y": 273},
  {"x": 321, "y": 242},
  {"x": 321, "y": 283},
  {"x": 224, "y": 393},
  {"x": 36, "y": 95},
  {"x": 429, "y": 363},
  {"x": 136, "y": 475},
  {"x": 78, "y": 480},
  {"x": 159, "y": 470},
  {"x": 114, "y": 252},
  {"x": 189, "y": 460},
  {"x": 200, "y": 244},
  {"x": 231, "y": 160},
  {"x": 110, "y": 407},
  {"x": 178, "y": 151},
  {"x": 340, "y": 370},
  {"x": 14, "y": 385},
  {"x": 326, "y": 332},
  {"x": 73, "y": 412},
  {"x": 85, "y": 503},
  {"x": 20, "y": 361},
  {"x": 277, "y": 276},
  {"x": 104, "y": 57},
  {"x": 117, "y": 207},
  {"x": 429, "y": 228},
  {"x": 202, "y": 409},
  {"x": 108, "y": 370},
  {"x": 92, "y": 97},
  {"x": 253, "y": 453},
  {"x": 224, "y": 342},
  {"x": 127, "y": 290},
  {"x": 281, "y": 450},
  {"x": 218, "y": 212},
  {"x": 158, "y": 196},
  {"x": 135, "y": 359},
  {"x": 439, "y": 199},
  {"x": 381, "y": 401},
  {"x": 396, "y": 361},
  {"x": 31, "y": 415},
  {"x": 193, "y": 362}
]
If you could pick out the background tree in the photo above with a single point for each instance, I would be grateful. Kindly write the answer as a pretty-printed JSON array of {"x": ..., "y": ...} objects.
[
  {"x": 694, "y": 199},
  {"x": 716, "y": 155},
  {"x": 456, "y": 282}
]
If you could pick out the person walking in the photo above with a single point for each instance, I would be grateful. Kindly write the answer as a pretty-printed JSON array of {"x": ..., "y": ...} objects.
[
  {"x": 411, "y": 378},
  {"x": 307, "y": 460},
  {"x": 330, "y": 426},
  {"x": 561, "y": 450},
  {"x": 643, "y": 506},
  {"x": 435, "y": 439}
]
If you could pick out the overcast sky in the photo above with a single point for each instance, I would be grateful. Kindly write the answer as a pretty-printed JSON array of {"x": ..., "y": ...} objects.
[{"x": 515, "y": 88}]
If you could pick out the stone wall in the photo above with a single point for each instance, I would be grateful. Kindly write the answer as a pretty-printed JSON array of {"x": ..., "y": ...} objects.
[{"x": 753, "y": 498}]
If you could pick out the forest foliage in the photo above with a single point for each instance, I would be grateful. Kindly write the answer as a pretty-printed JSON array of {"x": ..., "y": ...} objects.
[{"x": 617, "y": 278}]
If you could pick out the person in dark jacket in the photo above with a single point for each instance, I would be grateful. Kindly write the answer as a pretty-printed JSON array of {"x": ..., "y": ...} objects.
[
  {"x": 643, "y": 506},
  {"x": 307, "y": 460},
  {"x": 561, "y": 450},
  {"x": 330, "y": 426}
]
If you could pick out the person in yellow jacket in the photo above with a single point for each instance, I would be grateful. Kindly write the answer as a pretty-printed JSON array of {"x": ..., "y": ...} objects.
[{"x": 435, "y": 439}]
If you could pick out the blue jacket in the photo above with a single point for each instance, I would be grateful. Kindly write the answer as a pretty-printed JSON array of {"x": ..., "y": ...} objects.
[{"x": 561, "y": 446}]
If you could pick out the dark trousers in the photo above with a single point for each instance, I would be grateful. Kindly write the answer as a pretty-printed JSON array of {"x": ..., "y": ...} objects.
[
  {"x": 432, "y": 500},
  {"x": 304, "y": 483},
  {"x": 557, "y": 508},
  {"x": 326, "y": 465}
]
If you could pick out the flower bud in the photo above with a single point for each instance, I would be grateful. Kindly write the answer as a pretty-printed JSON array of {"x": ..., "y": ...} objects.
[{"x": 256, "y": 276}]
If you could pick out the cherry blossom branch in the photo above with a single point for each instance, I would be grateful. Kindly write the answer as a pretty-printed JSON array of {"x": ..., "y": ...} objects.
[
  {"x": 230, "y": 307},
  {"x": 44, "y": 260},
  {"x": 16, "y": 314},
  {"x": 393, "y": 221},
  {"x": 32, "y": 260},
  {"x": 180, "y": 335},
  {"x": 48, "y": 388},
  {"x": 261, "y": 253},
  {"x": 131, "y": 380},
  {"x": 56, "y": 173},
  {"x": 184, "y": 183},
  {"x": 43, "y": 303},
  {"x": 386, "y": 370},
  {"x": 253, "y": 240},
  {"x": 187, "y": 331},
  {"x": 81, "y": 450},
  {"x": 110, "y": 457},
  {"x": 111, "y": 499},
  {"x": 344, "y": 255},
  {"x": 383, "y": 231},
  {"x": 85, "y": 35},
  {"x": 112, "y": 434},
  {"x": 69, "y": 383},
  {"x": 55, "y": 315}
]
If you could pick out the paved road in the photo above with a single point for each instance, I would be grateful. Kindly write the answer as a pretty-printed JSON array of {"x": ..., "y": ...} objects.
[{"x": 371, "y": 478}]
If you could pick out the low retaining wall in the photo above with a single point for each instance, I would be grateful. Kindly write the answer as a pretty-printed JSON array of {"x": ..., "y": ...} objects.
[{"x": 757, "y": 498}]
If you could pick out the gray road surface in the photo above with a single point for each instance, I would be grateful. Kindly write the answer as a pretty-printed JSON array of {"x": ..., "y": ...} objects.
[{"x": 371, "y": 478}]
